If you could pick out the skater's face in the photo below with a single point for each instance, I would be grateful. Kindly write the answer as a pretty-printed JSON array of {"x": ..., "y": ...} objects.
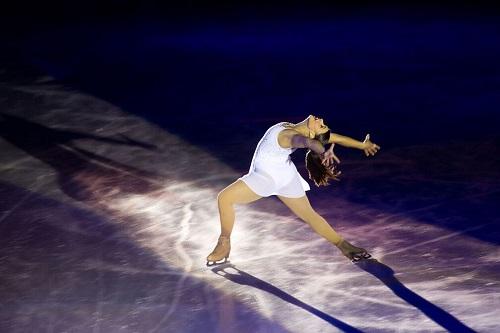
[{"x": 317, "y": 125}]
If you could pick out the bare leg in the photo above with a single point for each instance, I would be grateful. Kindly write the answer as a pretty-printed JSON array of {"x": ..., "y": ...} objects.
[
  {"x": 236, "y": 193},
  {"x": 302, "y": 208}
]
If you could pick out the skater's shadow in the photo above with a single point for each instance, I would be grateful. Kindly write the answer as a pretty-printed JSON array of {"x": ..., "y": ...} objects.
[
  {"x": 386, "y": 275},
  {"x": 232, "y": 273}
]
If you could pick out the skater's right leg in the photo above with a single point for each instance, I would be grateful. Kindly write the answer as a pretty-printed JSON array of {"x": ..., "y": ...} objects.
[{"x": 236, "y": 193}]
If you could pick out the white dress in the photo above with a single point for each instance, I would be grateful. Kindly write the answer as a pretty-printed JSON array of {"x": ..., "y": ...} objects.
[{"x": 272, "y": 171}]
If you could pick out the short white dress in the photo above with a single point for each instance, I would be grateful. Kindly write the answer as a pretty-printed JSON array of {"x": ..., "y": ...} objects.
[{"x": 272, "y": 171}]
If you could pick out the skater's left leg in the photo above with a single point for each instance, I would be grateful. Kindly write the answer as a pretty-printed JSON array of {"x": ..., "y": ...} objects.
[{"x": 302, "y": 208}]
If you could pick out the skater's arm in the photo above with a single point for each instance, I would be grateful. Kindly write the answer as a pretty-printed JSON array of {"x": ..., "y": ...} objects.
[
  {"x": 345, "y": 141},
  {"x": 299, "y": 141},
  {"x": 367, "y": 146}
]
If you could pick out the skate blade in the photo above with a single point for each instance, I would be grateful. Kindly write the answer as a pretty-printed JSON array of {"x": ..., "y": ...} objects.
[
  {"x": 362, "y": 256},
  {"x": 216, "y": 263}
]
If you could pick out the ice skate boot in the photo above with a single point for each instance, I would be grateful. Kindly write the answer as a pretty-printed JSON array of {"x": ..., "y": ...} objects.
[
  {"x": 352, "y": 252},
  {"x": 220, "y": 252}
]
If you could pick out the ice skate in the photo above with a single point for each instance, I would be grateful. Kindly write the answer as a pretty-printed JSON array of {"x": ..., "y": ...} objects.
[
  {"x": 352, "y": 252},
  {"x": 220, "y": 252}
]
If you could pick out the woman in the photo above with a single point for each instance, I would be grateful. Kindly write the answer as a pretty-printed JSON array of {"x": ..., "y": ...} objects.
[{"x": 273, "y": 173}]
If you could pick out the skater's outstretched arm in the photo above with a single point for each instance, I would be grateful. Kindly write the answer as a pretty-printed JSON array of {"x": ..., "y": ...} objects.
[
  {"x": 367, "y": 146},
  {"x": 299, "y": 141}
]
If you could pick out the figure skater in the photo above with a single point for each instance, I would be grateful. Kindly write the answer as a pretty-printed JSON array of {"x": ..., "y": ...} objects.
[{"x": 272, "y": 172}]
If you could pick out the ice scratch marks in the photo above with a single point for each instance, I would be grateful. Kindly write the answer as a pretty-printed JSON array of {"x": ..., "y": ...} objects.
[
  {"x": 202, "y": 180},
  {"x": 437, "y": 239},
  {"x": 18, "y": 204},
  {"x": 178, "y": 291},
  {"x": 99, "y": 303}
]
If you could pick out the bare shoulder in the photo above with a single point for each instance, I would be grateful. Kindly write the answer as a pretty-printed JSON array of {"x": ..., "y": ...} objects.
[{"x": 285, "y": 137}]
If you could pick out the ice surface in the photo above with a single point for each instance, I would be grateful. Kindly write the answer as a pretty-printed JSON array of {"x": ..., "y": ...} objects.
[{"x": 106, "y": 220}]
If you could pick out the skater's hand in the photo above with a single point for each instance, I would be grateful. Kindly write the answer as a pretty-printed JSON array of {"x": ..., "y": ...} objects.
[
  {"x": 369, "y": 147},
  {"x": 328, "y": 157}
]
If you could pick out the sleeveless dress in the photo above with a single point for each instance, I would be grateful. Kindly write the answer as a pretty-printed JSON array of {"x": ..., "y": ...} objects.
[{"x": 272, "y": 171}]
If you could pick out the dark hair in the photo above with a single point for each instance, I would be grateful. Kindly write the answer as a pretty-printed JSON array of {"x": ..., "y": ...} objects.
[
  {"x": 318, "y": 172},
  {"x": 323, "y": 137}
]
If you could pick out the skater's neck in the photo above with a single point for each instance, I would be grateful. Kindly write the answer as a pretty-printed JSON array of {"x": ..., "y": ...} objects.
[{"x": 302, "y": 128}]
